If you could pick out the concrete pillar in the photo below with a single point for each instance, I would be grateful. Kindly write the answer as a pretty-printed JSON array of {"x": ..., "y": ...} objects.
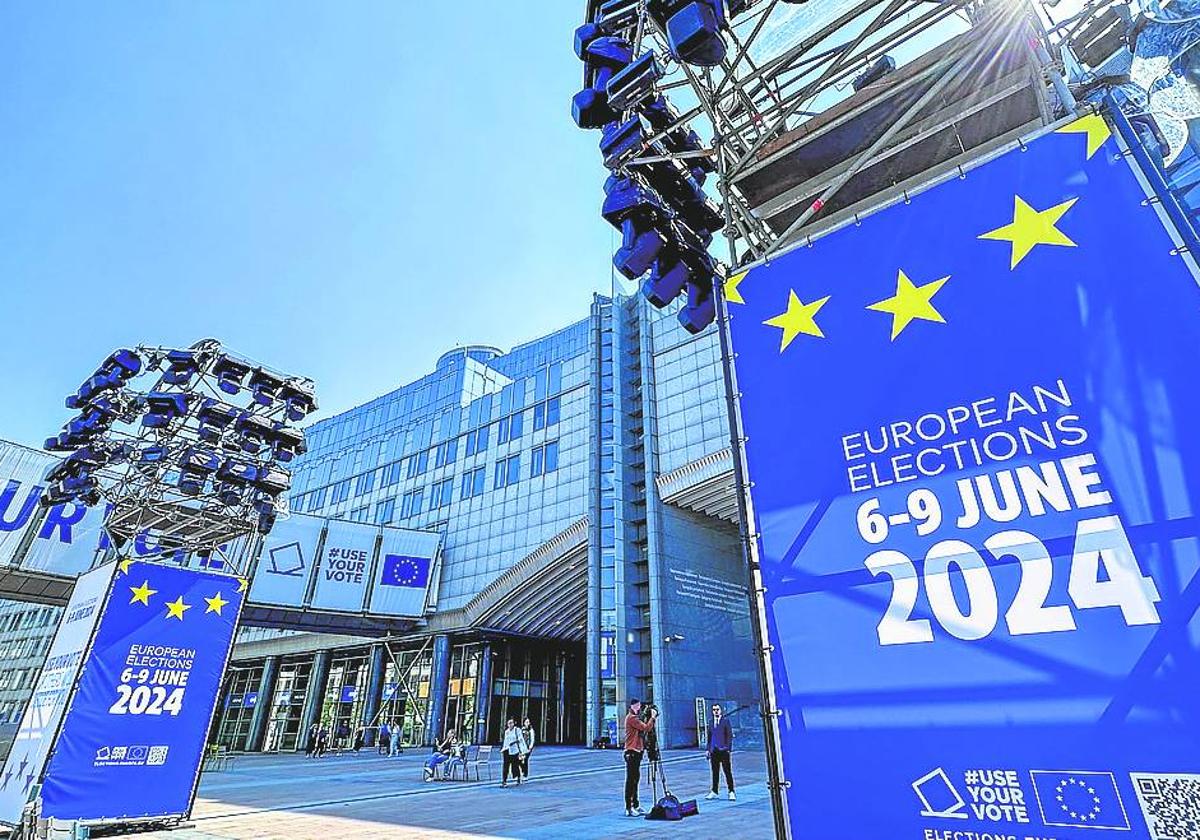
[
  {"x": 263, "y": 705},
  {"x": 315, "y": 696},
  {"x": 374, "y": 692},
  {"x": 439, "y": 687},
  {"x": 483, "y": 695}
]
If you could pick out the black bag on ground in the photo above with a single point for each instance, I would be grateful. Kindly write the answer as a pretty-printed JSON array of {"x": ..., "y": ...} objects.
[{"x": 666, "y": 808}]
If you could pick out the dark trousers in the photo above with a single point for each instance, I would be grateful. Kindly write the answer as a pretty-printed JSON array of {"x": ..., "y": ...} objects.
[
  {"x": 513, "y": 763},
  {"x": 633, "y": 776},
  {"x": 525, "y": 764},
  {"x": 719, "y": 759}
]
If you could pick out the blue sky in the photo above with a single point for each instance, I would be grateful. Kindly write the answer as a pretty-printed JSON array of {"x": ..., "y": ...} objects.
[{"x": 343, "y": 190}]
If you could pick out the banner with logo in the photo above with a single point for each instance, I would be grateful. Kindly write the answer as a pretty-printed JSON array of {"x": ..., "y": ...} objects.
[
  {"x": 402, "y": 575},
  {"x": 286, "y": 561},
  {"x": 133, "y": 737},
  {"x": 44, "y": 711},
  {"x": 345, "y": 566},
  {"x": 973, "y": 434}
]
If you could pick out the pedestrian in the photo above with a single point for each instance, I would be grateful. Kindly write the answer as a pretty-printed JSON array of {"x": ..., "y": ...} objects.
[
  {"x": 322, "y": 740},
  {"x": 343, "y": 734},
  {"x": 394, "y": 744},
  {"x": 513, "y": 747},
  {"x": 530, "y": 740},
  {"x": 720, "y": 745},
  {"x": 360, "y": 736},
  {"x": 310, "y": 744},
  {"x": 635, "y": 746},
  {"x": 385, "y": 737}
]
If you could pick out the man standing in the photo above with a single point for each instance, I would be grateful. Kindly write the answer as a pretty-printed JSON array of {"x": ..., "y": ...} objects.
[
  {"x": 720, "y": 745},
  {"x": 635, "y": 745}
]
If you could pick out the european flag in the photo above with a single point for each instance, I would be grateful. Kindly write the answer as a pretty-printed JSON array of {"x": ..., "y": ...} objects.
[
  {"x": 408, "y": 572},
  {"x": 1074, "y": 799}
]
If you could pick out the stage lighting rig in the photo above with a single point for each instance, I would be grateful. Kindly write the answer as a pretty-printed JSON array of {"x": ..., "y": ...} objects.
[{"x": 187, "y": 447}]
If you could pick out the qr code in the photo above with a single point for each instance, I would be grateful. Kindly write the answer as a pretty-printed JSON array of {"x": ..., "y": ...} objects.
[
  {"x": 1170, "y": 803},
  {"x": 158, "y": 755}
]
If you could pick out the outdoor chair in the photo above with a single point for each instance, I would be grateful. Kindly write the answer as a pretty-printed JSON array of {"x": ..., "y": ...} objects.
[
  {"x": 469, "y": 754},
  {"x": 482, "y": 758}
]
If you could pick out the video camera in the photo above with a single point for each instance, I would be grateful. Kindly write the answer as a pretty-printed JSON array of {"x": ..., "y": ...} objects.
[{"x": 650, "y": 737}]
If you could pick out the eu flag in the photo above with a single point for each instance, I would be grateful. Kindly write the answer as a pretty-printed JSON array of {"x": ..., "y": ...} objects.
[
  {"x": 1073, "y": 799},
  {"x": 405, "y": 571}
]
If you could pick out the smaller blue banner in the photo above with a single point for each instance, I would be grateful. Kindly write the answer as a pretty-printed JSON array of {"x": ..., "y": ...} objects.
[
  {"x": 349, "y": 693},
  {"x": 1073, "y": 799},
  {"x": 133, "y": 736}
]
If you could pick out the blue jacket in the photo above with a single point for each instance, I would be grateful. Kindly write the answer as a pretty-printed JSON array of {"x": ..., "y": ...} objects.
[{"x": 720, "y": 737}]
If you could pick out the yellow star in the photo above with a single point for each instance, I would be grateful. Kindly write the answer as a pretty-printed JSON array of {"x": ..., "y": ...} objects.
[
  {"x": 911, "y": 302},
  {"x": 242, "y": 584},
  {"x": 1094, "y": 126},
  {"x": 176, "y": 608},
  {"x": 123, "y": 566},
  {"x": 142, "y": 593},
  {"x": 215, "y": 603},
  {"x": 799, "y": 318},
  {"x": 731, "y": 288},
  {"x": 1031, "y": 227}
]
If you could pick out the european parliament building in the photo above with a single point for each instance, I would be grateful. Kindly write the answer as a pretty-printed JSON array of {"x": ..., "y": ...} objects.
[{"x": 582, "y": 485}]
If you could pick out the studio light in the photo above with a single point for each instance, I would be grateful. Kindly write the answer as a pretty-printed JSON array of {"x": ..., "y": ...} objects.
[
  {"x": 163, "y": 408},
  {"x": 195, "y": 468},
  {"x": 214, "y": 418},
  {"x": 230, "y": 373},
  {"x": 694, "y": 33},
  {"x": 265, "y": 387},
  {"x": 182, "y": 365}
]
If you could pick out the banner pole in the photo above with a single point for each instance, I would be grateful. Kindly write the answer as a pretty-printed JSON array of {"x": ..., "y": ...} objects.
[{"x": 776, "y": 782}]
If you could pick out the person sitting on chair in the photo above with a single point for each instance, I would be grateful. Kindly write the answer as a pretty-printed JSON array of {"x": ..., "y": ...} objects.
[{"x": 441, "y": 754}]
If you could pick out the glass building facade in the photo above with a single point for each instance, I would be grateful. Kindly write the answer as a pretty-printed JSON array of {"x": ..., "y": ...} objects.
[{"x": 582, "y": 484}]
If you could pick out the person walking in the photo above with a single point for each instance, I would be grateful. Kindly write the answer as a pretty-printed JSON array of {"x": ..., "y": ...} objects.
[
  {"x": 720, "y": 745},
  {"x": 322, "y": 740},
  {"x": 310, "y": 744},
  {"x": 513, "y": 747},
  {"x": 394, "y": 743},
  {"x": 530, "y": 740},
  {"x": 635, "y": 746}
]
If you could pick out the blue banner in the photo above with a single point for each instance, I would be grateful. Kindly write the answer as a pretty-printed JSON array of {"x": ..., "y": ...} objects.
[
  {"x": 134, "y": 733},
  {"x": 973, "y": 430}
]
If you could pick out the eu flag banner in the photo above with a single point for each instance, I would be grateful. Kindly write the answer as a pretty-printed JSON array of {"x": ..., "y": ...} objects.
[
  {"x": 972, "y": 428},
  {"x": 399, "y": 570},
  {"x": 134, "y": 732}
]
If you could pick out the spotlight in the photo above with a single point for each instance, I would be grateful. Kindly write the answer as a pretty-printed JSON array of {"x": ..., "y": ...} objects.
[
  {"x": 230, "y": 373},
  {"x": 287, "y": 443},
  {"x": 215, "y": 417},
  {"x": 603, "y": 56},
  {"x": 639, "y": 249},
  {"x": 273, "y": 480},
  {"x": 266, "y": 513},
  {"x": 666, "y": 280},
  {"x": 195, "y": 467},
  {"x": 182, "y": 365},
  {"x": 150, "y": 457},
  {"x": 694, "y": 33},
  {"x": 631, "y": 86},
  {"x": 701, "y": 308},
  {"x": 265, "y": 386},
  {"x": 616, "y": 15},
  {"x": 621, "y": 142},
  {"x": 254, "y": 430},
  {"x": 883, "y": 65},
  {"x": 162, "y": 408},
  {"x": 299, "y": 397}
]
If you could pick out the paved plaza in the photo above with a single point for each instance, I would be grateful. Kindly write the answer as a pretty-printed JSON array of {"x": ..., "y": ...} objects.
[{"x": 572, "y": 793}]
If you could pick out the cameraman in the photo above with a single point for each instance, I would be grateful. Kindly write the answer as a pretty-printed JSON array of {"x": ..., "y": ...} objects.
[{"x": 635, "y": 745}]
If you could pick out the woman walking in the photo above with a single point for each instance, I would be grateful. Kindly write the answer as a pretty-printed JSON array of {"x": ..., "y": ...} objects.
[
  {"x": 530, "y": 740},
  {"x": 512, "y": 748}
]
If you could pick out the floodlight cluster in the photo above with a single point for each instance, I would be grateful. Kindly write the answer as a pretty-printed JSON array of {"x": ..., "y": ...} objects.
[
  {"x": 208, "y": 440},
  {"x": 655, "y": 195}
]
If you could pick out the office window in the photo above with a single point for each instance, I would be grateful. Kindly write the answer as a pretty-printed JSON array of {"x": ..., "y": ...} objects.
[
  {"x": 477, "y": 440},
  {"x": 392, "y": 473},
  {"x": 418, "y": 464},
  {"x": 472, "y": 484},
  {"x": 360, "y": 514},
  {"x": 316, "y": 501},
  {"x": 509, "y": 428},
  {"x": 445, "y": 453},
  {"x": 341, "y": 491},
  {"x": 546, "y": 413},
  {"x": 508, "y": 471},
  {"x": 442, "y": 492},
  {"x": 544, "y": 458},
  {"x": 412, "y": 503},
  {"x": 365, "y": 483},
  {"x": 385, "y": 512}
]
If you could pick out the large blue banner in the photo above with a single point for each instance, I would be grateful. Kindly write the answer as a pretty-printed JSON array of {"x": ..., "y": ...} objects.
[
  {"x": 134, "y": 734},
  {"x": 973, "y": 430}
]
